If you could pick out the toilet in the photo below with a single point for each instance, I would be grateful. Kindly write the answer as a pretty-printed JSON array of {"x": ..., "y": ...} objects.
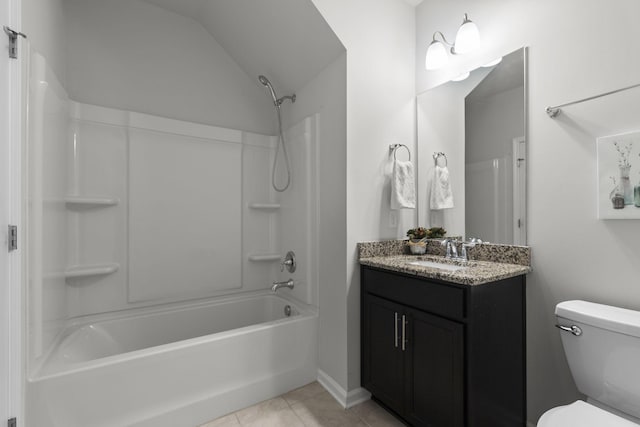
[{"x": 602, "y": 345}]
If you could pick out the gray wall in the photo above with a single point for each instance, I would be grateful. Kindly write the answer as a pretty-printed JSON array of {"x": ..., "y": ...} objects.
[
  {"x": 135, "y": 56},
  {"x": 379, "y": 38}
]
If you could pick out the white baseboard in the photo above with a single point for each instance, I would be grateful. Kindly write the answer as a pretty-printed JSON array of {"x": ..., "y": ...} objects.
[
  {"x": 352, "y": 398},
  {"x": 356, "y": 396},
  {"x": 344, "y": 398}
]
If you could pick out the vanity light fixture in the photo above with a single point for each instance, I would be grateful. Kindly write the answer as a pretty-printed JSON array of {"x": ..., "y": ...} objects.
[
  {"x": 461, "y": 77},
  {"x": 467, "y": 40},
  {"x": 492, "y": 63}
]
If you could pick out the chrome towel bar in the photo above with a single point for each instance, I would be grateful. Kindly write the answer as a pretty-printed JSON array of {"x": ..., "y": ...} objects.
[{"x": 554, "y": 111}]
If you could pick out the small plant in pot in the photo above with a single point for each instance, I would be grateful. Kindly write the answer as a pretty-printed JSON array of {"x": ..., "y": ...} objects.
[
  {"x": 416, "y": 234},
  {"x": 421, "y": 233},
  {"x": 417, "y": 240}
]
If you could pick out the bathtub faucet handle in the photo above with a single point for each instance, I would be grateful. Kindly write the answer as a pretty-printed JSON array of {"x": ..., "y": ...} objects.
[
  {"x": 286, "y": 284},
  {"x": 289, "y": 262}
]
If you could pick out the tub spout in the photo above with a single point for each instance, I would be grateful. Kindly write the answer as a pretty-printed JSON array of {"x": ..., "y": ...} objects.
[{"x": 278, "y": 285}]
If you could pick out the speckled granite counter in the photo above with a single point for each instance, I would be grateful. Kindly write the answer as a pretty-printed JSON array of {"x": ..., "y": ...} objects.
[
  {"x": 473, "y": 273},
  {"x": 490, "y": 263}
]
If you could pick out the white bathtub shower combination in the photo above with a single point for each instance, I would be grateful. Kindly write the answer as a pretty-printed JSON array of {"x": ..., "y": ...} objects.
[
  {"x": 153, "y": 245},
  {"x": 177, "y": 366}
]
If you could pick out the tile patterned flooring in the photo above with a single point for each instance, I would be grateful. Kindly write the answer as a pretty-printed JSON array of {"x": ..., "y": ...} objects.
[{"x": 308, "y": 406}]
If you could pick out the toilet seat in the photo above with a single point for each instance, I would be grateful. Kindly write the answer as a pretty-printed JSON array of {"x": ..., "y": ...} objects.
[{"x": 582, "y": 414}]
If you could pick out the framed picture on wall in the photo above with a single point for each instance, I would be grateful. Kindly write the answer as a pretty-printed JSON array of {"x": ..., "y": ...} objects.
[{"x": 619, "y": 176}]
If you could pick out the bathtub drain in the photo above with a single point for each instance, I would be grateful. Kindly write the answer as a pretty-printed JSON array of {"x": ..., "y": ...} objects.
[{"x": 287, "y": 310}]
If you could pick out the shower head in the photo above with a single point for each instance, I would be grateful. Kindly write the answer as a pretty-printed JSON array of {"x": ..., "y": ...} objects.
[{"x": 267, "y": 83}]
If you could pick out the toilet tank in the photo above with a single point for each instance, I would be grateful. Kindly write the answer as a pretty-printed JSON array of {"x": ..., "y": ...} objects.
[{"x": 605, "y": 358}]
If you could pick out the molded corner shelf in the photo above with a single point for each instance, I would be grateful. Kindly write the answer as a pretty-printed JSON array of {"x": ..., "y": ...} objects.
[
  {"x": 90, "y": 202},
  {"x": 264, "y": 206},
  {"x": 268, "y": 257},
  {"x": 90, "y": 270}
]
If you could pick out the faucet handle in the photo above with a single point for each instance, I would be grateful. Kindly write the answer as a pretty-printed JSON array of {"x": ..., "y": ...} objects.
[
  {"x": 454, "y": 248},
  {"x": 447, "y": 242},
  {"x": 289, "y": 262},
  {"x": 465, "y": 255}
]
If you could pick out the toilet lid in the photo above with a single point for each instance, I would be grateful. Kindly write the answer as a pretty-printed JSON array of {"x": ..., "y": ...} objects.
[{"x": 582, "y": 414}]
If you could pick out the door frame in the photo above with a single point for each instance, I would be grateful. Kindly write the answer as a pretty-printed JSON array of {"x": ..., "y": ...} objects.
[{"x": 11, "y": 290}]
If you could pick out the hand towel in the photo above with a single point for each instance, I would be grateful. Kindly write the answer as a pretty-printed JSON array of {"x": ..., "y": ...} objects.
[
  {"x": 403, "y": 186},
  {"x": 441, "y": 195}
]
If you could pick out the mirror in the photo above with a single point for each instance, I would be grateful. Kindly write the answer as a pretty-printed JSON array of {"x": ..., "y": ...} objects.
[{"x": 478, "y": 125}]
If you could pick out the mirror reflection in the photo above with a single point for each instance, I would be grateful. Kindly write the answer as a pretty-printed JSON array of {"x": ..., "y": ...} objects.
[{"x": 472, "y": 132}]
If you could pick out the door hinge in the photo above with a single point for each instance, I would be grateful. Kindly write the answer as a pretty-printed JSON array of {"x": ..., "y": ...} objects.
[
  {"x": 11, "y": 422},
  {"x": 12, "y": 238},
  {"x": 13, "y": 41}
]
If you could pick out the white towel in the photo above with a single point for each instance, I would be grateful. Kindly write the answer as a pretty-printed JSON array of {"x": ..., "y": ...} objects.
[
  {"x": 403, "y": 186},
  {"x": 441, "y": 195}
]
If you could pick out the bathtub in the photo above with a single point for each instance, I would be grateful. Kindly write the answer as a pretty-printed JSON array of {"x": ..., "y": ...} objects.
[{"x": 177, "y": 366}]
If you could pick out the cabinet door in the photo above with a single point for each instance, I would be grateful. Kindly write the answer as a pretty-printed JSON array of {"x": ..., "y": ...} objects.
[
  {"x": 434, "y": 371},
  {"x": 383, "y": 369}
]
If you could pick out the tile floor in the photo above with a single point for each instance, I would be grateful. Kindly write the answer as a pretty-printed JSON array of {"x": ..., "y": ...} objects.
[{"x": 308, "y": 406}]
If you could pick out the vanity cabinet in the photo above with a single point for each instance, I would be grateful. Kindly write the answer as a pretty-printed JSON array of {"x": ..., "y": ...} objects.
[{"x": 441, "y": 354}]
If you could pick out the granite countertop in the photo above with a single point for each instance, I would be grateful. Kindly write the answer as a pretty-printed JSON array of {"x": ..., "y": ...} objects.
[{"x": 474, "y": 272}]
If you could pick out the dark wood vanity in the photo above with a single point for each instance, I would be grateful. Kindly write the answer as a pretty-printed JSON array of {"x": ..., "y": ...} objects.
[{"x": 442, "y": 354}]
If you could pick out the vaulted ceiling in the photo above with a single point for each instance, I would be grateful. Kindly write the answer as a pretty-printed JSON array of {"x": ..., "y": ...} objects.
[{"x": 286, "y": 40}]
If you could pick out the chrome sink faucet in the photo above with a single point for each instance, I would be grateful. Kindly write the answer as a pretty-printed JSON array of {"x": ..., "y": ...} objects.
[
  {"x": 285, "y": 284},
  {"x": 452, "y": 248}
]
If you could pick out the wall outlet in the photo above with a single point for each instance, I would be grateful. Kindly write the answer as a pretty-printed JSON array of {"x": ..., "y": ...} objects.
[{"x": 393, "y": 218}]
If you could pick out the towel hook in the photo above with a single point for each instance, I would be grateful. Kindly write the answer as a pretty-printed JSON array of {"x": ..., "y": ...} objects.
[
  {"x": 394, "y": 147},
  {"x": 439, "y": 154}
]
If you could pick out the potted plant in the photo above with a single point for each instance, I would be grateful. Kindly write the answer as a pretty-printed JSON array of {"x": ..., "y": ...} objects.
[
  {"x": 421, "y": 233},
  {"x": 417, "y": 240},
  {"x": 416, "y": 234}
]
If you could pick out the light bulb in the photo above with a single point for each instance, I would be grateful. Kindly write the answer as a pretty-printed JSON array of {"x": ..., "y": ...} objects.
[
  {"x": 468, "y": 37},
  {"x": 436, "y": 56}
]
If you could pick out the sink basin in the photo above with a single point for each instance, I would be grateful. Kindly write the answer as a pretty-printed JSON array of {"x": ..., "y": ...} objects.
[{"x": 438, "y": 265}]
